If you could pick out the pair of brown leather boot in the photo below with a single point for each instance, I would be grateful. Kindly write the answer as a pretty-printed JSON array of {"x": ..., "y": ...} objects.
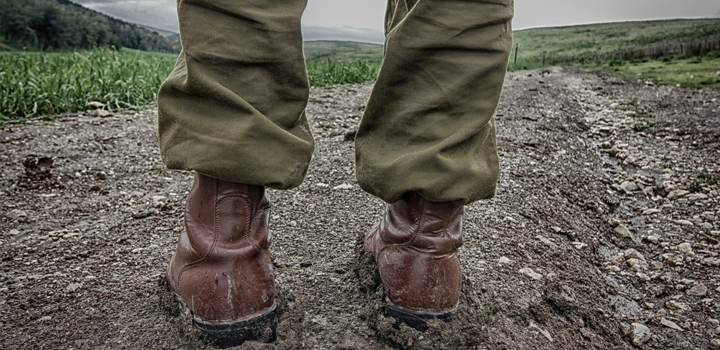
[{"x": 222, "y": 270}]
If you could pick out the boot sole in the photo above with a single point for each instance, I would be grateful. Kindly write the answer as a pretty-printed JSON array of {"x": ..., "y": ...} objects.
[
  {"x": 223, "y": 335},
  {"x": 415, "y": 319},
  {"x": 261, "y": 328}
]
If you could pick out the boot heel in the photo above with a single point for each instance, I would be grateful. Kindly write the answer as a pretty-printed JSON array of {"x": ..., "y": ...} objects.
[
  {"x": 414, "y": 319},
  {"x": 261, "y": 328}
]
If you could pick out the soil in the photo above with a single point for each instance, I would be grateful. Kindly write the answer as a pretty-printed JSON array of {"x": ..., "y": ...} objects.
[{"x": 603, "y": 234}]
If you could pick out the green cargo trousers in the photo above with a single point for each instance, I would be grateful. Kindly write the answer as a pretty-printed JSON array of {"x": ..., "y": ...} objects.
[{"x": 234, "y": 106}]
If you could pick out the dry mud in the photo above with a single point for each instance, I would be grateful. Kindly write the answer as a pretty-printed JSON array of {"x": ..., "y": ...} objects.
[{"x": 604, "y": 232}]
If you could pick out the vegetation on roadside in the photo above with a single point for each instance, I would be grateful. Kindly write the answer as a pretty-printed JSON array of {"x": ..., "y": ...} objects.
[
  {"x": 696, "y": 72},
  {"x": 35, "y": 84},
  {"x": 62, "y": 25}
]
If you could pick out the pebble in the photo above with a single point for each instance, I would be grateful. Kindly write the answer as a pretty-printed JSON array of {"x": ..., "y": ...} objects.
[
  {"x": 670, "y": 324},
  {"x": 629, "y": 186},
  {"x": 674, "y": 194},
  {"x": 685, "y": 248},
  {"x": 547, "y": 241},
  {"x": 101, "y": 113},
  {"x": 73, "y": 287},
  {"x": 16, "y": 214},
  {"x": 651, "y": 211},
  {"x": 503, "y": 260},
  {"x": 676, "y": 305},
  {"x": 711, "y": 261},
  {"x": 530, "y": 273},
  {"x": 633, "y": 254},
  {"x": 343, "y": 187},
  {"x": 623, "y": 231},
  {"x": 321, "y": 184},
  {"x": 715, "y": 342},
  {"x": 684, "y": 222},
  {"x": 640, "y": 334},
  {"x": 697, "y": 290},
  {"x": 709, "y": 216},
  {"x": 45, "y": 318},
  {"x": 579, "y": 245},
  {"x": 696, "y": 196},
  {"x": 545, "y": 333},
  {"x": 652, "y": 239},
  {"x": 706, "y": 226}
]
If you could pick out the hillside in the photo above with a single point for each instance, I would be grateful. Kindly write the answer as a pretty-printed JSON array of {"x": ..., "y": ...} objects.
[
  {"x": 342, "y": 51},
  {"x": 622, "y": 40},
  {"x": 63, "y": 25}
]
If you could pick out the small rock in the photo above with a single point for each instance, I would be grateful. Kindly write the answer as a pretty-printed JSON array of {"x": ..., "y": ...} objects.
[
  {"x": 640, "y": 334},
  {"x": 652, "y": 239},
  {"x": 697, "y": 290},
  {"x": 651, "y": 211},
  {"x": 96, "y": 105},
  {"x": 684, "y": 222},
  {"x": 715, "y": 342},
  {"x": 73, "y": 287},
  {"x": 706, "y": 226},
  {"x": 711, "y": 261},
  {"x": 675, "y": 194},
  {"x": 343, "y": 187},
  {"x": 629, "y": 186},
  {"x": 623, "y": 231},
  {"x": 547, "y": 241},
  {"x": 503, "y": 260},
  {"x": 45, "y": 318},
  {"x": 16, "y": 214},
  {"x": 633, "y": 254},
  {"x": 670, "y": 324},
  {"x": 709, "y": 216},
  {"x": 685, "y": 248},
  {"x": 697, "y": 196},
  {"x": 321, "y": 184},
  {"x": 101, "y": 113},
  {"x": 676, "y": 305},
  {"x": 579, "y": 245},
  {"x": 545, "y": 333},
  {"x": 530, "y": 273}
]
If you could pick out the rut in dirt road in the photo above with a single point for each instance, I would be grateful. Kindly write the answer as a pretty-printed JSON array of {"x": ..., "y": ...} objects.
[{"x": 603, "y": 234}]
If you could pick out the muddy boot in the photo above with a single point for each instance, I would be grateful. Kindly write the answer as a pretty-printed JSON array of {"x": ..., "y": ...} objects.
[
  {"x": 415, "y": 247},
  {"x": 221, "y": 269}
]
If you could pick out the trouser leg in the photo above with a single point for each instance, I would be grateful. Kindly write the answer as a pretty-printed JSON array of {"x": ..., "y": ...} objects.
[
  {"x": 233, "y": 107},
  {"x": 429, "y": 125}
]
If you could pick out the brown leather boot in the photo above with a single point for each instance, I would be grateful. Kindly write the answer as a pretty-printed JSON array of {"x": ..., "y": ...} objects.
[
  {"x": 415, "y": 247},
  {"x": 221, "y": 269}
]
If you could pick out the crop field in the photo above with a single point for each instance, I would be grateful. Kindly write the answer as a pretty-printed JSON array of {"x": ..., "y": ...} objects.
[{"x": 34, "y": 84}]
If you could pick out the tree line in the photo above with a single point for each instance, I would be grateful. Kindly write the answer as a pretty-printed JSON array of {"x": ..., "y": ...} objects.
[{"x": 62, "y": 25}]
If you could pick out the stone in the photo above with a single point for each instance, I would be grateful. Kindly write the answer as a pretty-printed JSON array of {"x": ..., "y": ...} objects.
[
  {"x": 101, "y": 113},
  {"x": 343, "y": 187},
  {"x": 629, "y": 186},
  {"x": 633, "y": 254},
  {"x": 706, "y": 226},
  {"x": 640, "y": 334},
  {"x": 503, "y": 260},
  {"x": 623, "y": 231},
  {"x": 546, "y": 241},
  {"x": 711, "y": 262},
  {"x": 697, "y": 196},
  {"x": 651, "y": 211},
  {"x": 670, "y": 324},
  {"x": 579, "y": 245},
  {"x": 676, "y": 305},
  {"x": 530, "y": 273},
  {"x": 545, "y": 333},
  {"x": 708, "y": 216},
  {"x": 684, "y": 222},
  {"x": 675, "y": 194},
  {"x": 685, "y": 248},
  {"x": 16, "y": 214},
  {"x": 73, "y": 287},
  {"x": 96, "y": 105},
  {"x": 321, "y": 184},
  {"x": 652, "y": 239},
  {"x": 697, "y": 290}
]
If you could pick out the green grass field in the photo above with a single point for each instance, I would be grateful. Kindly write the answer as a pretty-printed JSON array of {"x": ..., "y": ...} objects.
[
  {"x": 48, "y": 84},
  {"x": 34, "y": 84}
]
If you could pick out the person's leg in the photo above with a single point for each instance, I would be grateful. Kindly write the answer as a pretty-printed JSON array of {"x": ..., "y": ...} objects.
[
  {"x": 233, "y": 111},
  {"x": 234, "y": 106},
  {"x": 426, "y": 143},
  {"x": 429, "y": 126}
]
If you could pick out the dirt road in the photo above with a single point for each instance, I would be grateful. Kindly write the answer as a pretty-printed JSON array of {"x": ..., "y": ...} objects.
[{"x": 604, "y": 232}]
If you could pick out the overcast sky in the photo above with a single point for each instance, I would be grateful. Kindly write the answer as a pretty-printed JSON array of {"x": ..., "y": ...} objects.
[{"x": 370, "y": 13}]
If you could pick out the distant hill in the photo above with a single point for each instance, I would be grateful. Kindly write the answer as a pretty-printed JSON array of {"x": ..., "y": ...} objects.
[
  {"x": 343, "y": 51},
  {"x": 622, "y": 40},
  {"x": 63, "y": 25}
]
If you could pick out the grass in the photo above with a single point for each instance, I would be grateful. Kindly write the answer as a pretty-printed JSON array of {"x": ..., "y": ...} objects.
[
  {"x": 695, "y": 72},
  {"x": 44, "y": 85}
]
